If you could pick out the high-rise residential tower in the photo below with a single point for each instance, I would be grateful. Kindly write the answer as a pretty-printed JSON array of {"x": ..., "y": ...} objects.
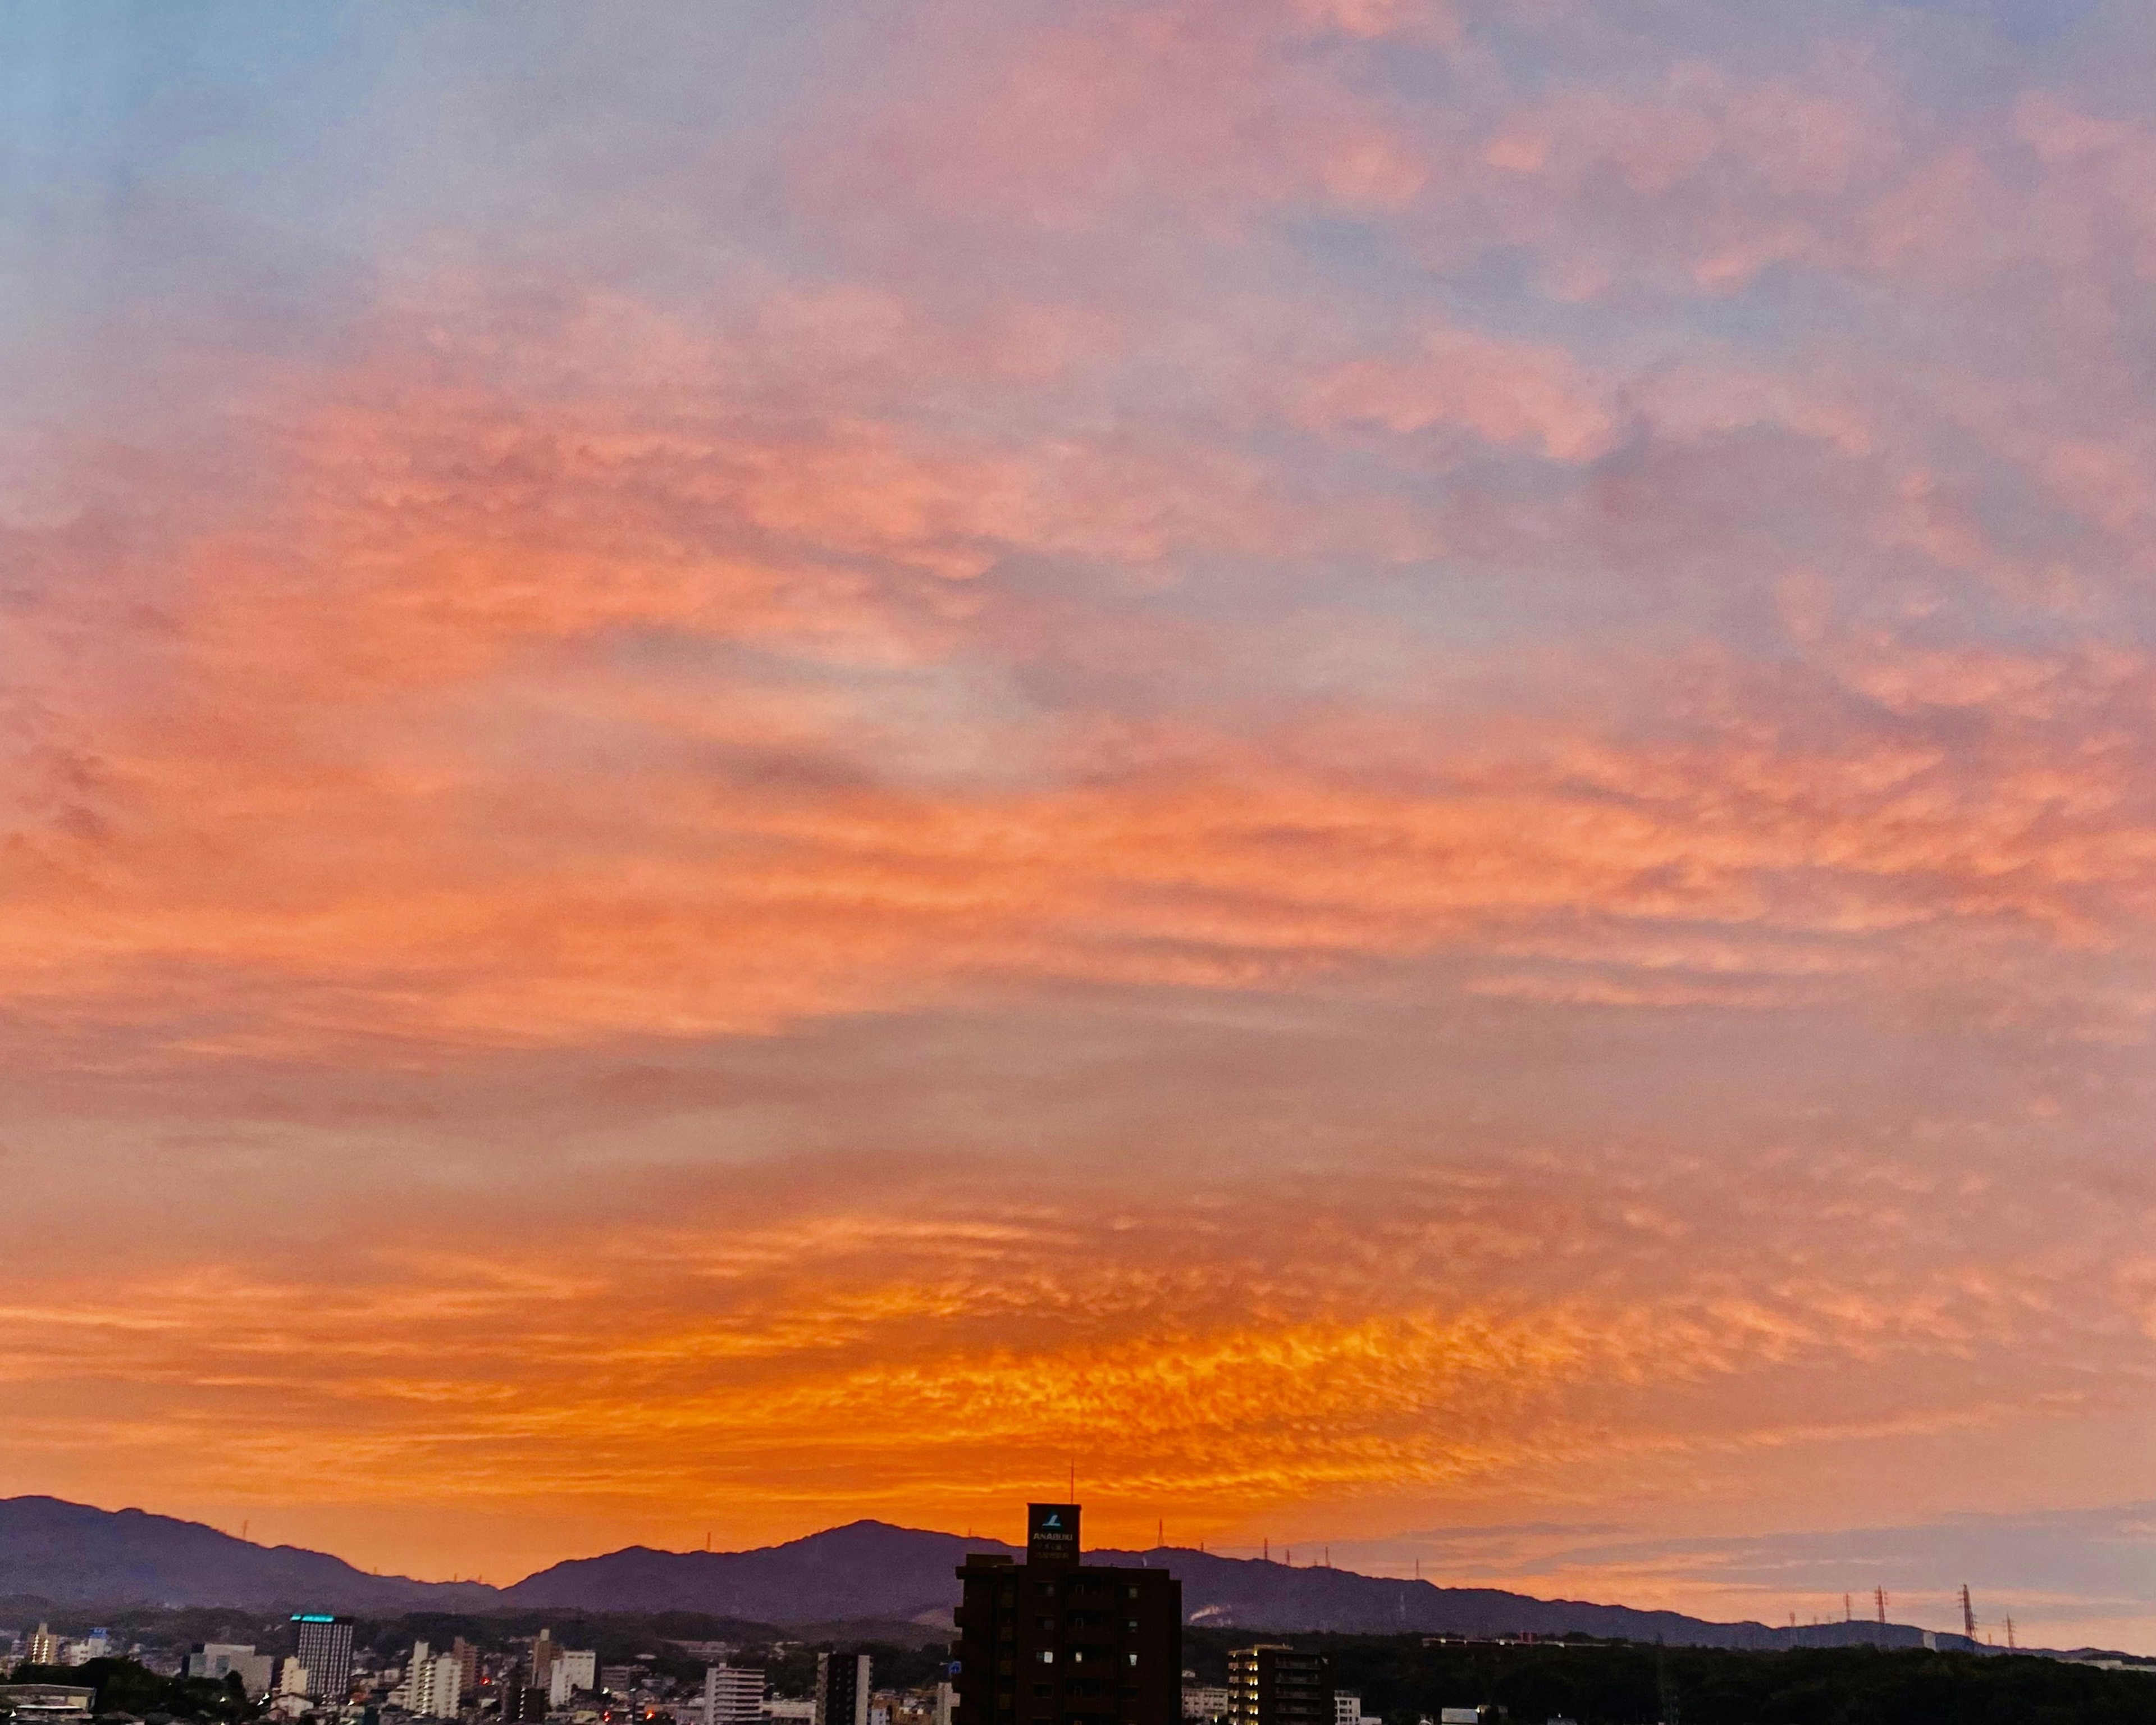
[
  {"x": 326, "y": 1650},
  {"x": 1057, "y": 1642},
  {"x": 433, "y": 1684},
  {"x": 733, "y": 1695},
  {"x": 842, "y": 1689}
]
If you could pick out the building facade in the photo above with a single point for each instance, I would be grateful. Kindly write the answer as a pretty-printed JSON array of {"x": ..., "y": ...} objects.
[
  {"x": 326, "y": 1650},
  {"x": 1055, "y": 1641},
  {"x": 574, "y": 1670},
  {"x": 433, "y": 1684},
  {"x": 842, "y": 1689},
  {"x": 46, "y": 1703},
  {"x": 219, "y": 1660},
  {"x": 1273, "y": 1685},
  {"x": 43, "y": 1647},
  {"x": 520, "y": 1703},
  {"x": 733, "y": 1695}
]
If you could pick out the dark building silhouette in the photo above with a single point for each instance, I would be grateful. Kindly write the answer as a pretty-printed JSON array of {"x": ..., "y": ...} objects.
[
  {"x": 1051, "y": 1641},
  {"x": 325, "y": 1650},
  {"x": 520, "y": 1703},
  {"x": 842, "y": 1689},
  {"x": 1279, "y": 1685}
]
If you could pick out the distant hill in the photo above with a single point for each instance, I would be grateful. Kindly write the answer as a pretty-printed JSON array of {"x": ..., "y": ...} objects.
[
  {"x": 862, "y": 1569},
  {"x": 871, "y": 1568},
  {"x": 72, "y": 1554}
]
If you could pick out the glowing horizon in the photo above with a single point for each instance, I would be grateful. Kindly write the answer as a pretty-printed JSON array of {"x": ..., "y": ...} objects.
[{"x": 1392, "y": 764}]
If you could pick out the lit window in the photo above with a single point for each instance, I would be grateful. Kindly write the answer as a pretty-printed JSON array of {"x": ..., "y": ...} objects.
[
  {"x": 1046, "y": 1655},
  {"x": 1132, "y": 1657}
]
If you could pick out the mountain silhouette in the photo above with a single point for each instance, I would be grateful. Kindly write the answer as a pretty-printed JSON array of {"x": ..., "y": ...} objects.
[{"x": 70, "y": 1554}]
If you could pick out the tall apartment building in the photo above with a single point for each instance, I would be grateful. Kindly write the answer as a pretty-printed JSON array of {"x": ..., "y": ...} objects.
[
  {"x": 432, "y": 1683},
  {"x": 1055, "y": 1641},
  {"x": 842, "y": 1689},
  {"x": 326, "y": 1650},
  {"x": 467, "y": 1658},
  {"x": 733, "y": 1695},
  {"x": 520, "y": 1703},
  {"x": 43, "y": 1646},
  {"x": 1272, "y": 1685}
]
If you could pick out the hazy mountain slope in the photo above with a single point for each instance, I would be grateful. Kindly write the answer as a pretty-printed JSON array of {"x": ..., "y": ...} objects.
[
  {"x": 862, "y": 1569},
  {"x": 74, "y": 1554}
]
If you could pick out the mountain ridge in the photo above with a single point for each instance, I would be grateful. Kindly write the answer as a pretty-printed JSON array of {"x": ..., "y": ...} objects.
[{"x": 77, "y": 1554}]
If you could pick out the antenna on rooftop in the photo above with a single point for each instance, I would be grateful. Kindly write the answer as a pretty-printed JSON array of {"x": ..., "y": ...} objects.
[
  {"x": 2009, "y": 1635},
  {"x": 1968, "y": 1613}
]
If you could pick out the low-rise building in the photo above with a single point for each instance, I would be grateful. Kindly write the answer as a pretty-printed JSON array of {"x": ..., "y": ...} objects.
[
  {"x": 575, "y": 1671},
  {"x": 46, "y": 1703},
  {"x": 217, "y": 1661},
  {"x": 96, "y": 1645},
  {"x": 1204, "y": 1702}
]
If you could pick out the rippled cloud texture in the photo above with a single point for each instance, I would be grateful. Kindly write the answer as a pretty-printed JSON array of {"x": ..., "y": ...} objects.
[{"x": 1388, "y": 765}]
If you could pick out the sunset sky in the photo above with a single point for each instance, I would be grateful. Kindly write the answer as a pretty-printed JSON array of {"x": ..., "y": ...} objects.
[{"x": 1387, "y": 767}]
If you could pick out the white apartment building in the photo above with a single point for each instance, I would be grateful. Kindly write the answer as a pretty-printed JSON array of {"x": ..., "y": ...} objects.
[
  {"x": 574, "y": 1668},
  {"x": 733, "y": 1695},
  {"x": 433, "y": 1685},
  {"x": 1202, "y": 1701}
]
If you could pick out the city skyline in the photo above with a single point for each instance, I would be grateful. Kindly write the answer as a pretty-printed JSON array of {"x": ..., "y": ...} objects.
[{"x": 1387, "y": 768}]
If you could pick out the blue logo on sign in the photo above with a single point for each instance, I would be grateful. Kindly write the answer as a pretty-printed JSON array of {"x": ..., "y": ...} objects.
[{"x": 1053, "y": 1520}]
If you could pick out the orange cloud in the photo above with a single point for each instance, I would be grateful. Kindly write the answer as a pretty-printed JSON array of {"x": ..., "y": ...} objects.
[{"x": 1049, "y": 793}]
